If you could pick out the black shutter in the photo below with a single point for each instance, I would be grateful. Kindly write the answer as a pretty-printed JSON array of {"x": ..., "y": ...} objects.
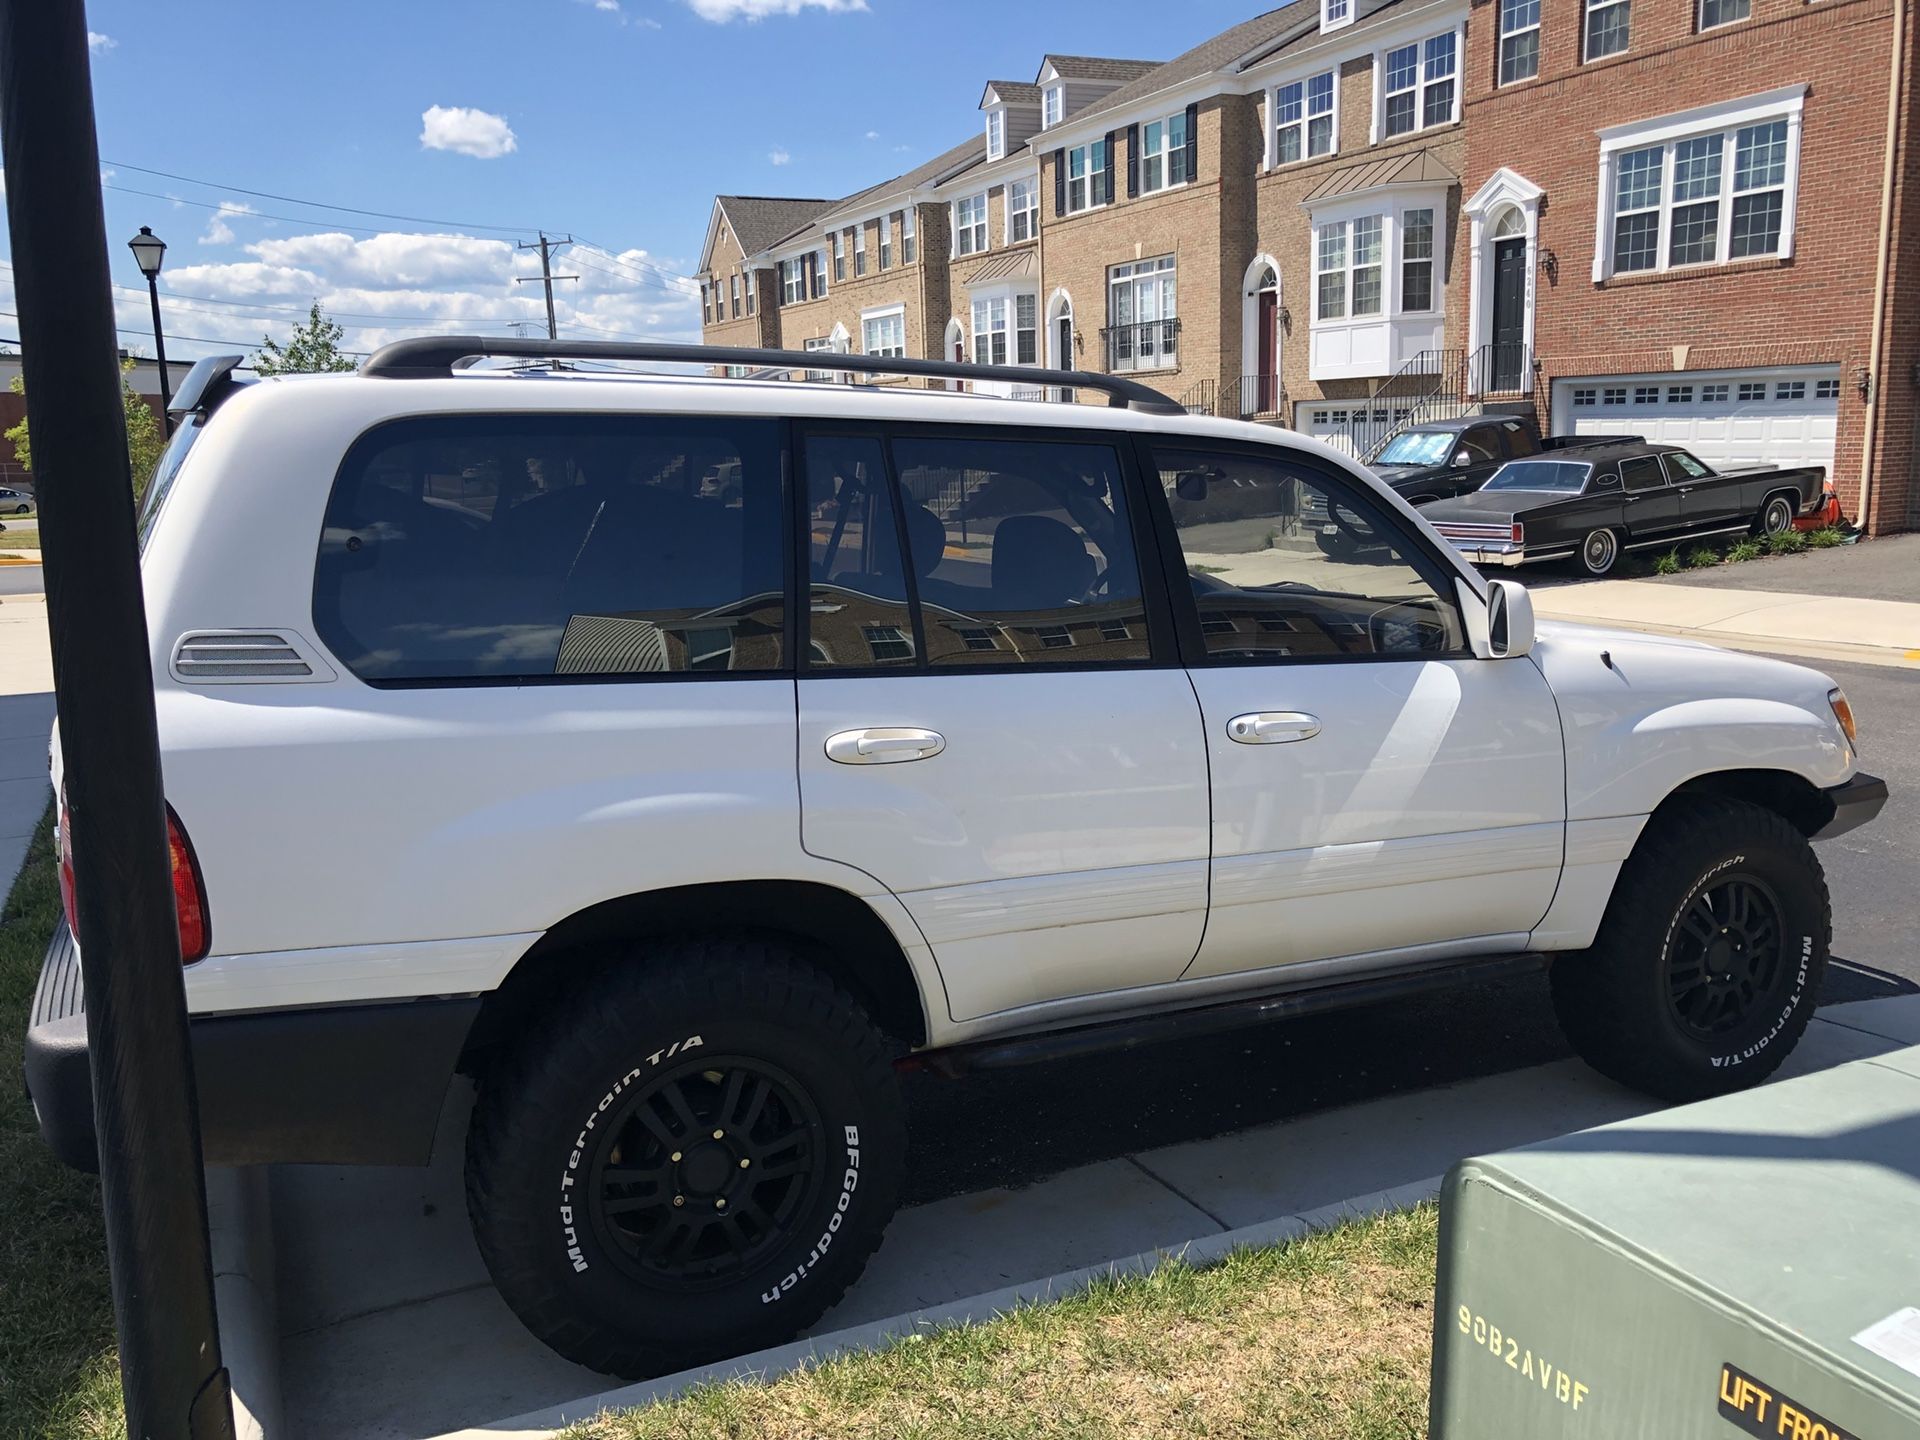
[
  {"x": 1059, "y": 183},
  {"x": 1110, "y": 137},
  {"x": 1133, "y": 161},
  {"x": 1193, "y": 142}
]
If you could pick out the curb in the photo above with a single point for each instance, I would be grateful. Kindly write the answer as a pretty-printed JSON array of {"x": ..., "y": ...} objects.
[
  {"x": 240, "y": 1232},
  {"x": 768, "y": 1364}
]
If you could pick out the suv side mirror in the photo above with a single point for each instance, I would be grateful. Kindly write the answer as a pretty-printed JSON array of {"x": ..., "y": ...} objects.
[
  {"x": 1509, "y": 620},
  {"x": 1461, "y": 460}
]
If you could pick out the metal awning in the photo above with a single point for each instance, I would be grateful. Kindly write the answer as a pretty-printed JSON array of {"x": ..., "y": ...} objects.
[
  {"x": 1422, "y": 167},
  {"x": 1014, "y": 265}
]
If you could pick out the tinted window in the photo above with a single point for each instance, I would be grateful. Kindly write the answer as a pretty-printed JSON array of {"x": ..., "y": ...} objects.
[
  {"x": 1642, "y": 472},
  {"x": 857, "y": 603},
  {"x": 1284, "y": 564},
  {"x": 1682, "y": 466},
  {"x": 1567, "y": 475},
  {"x": 1520, "y": 440},
  {"x": 1022, "y": 553},
  {"x": 1479, "y": 444},
  {"x": 526, "y": 546}
]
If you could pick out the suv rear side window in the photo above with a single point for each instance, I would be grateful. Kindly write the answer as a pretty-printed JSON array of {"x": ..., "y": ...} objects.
[{"x": 520, "y": 547}]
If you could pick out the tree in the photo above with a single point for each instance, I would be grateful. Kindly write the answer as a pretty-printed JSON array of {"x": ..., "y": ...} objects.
[
  {"x": 313, "y": 350},
  {"x": 146, "y": 441}
]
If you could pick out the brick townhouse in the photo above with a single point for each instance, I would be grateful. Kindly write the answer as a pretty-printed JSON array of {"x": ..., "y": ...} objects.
[{"x": 1342, "y": 214}]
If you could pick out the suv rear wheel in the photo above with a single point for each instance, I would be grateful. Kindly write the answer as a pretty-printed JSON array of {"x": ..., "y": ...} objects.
[
  {"x": 1709, "y": 959},
  {"x": 692, "y": 1158}
]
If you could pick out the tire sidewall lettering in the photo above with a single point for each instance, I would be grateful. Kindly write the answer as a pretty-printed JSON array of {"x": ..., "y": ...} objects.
[{"x": 1790, "y": 1005}]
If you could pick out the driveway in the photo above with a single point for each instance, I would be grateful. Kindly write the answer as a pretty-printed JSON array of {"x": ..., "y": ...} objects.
[{"x": 1886, "y": 569}]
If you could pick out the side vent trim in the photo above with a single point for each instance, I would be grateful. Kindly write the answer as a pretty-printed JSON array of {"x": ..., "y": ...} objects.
[{"x": 246, "y": 657}]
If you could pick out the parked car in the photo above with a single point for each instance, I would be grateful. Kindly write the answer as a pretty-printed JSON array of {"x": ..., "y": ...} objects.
[
  {"x": 15, "y": 502},
  {"x": 1438, "y": 459},
  {"x": 1595, "y": 501},
  {"x": 681, "y": 758}
]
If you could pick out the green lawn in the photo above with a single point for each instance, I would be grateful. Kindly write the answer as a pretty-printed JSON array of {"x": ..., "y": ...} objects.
[
  {"x": 1328, "y": 1338},
  {"x": 58, "y": 1379},
  {"x": 15, "y": 538}
]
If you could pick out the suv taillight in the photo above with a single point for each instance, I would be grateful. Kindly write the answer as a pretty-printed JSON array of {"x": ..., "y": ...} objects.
[
  {"x": 189, "y": 891},
  {"x": 1519, "y": 533}
]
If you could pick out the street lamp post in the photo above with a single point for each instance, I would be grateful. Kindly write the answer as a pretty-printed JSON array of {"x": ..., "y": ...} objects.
[{"x": 148, "y": 251}]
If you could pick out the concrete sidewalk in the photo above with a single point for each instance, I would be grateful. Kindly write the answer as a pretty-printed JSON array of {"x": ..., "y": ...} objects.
[
  {"x": 1819, "y": 627},
  {"x": 26, "y": 716},
  {"x": 391, "y": 1331}
]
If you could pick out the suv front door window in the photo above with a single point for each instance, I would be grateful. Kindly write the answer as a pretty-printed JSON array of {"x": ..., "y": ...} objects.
[
  {"x": 1374, "y": 786},
  {"x": 1035, "y": 789}
]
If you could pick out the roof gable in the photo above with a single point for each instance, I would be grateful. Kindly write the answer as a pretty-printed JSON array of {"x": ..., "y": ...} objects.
[{"x": 758, "y": 220}]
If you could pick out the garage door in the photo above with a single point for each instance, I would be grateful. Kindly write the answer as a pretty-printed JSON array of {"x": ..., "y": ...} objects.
[{"x": 1728, "y": 418}]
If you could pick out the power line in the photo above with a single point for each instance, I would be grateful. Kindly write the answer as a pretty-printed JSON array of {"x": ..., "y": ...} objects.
[
  {"x": 319, "y": 204},
  {"x": 252, "y": 214},
  {"x": 618, "y": 259}
]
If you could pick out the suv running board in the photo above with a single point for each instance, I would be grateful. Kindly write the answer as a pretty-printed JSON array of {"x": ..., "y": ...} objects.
[{"x": 1004, "y": 1053}]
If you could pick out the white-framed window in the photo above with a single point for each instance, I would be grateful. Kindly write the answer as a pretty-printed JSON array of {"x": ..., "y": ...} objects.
[
  {"x": 793, "y": 280},
  {"x": 884, "y": 332},
  {"x": 1702, "y": 188},
  {"x": 753, "y": 294},
  {"x": 1026, "y": 330},
  {"x": 1519, "y": 40},
  {"x": 970, "y": 224},
  {"x": 909, "y": 240},
  {"x": 859, "y": 250},
  {"x": 1335, "y": 13},
  {"x": 706, "y": 304},
  {"x": 1417, "y": 290},
  {"x": 1609, "y": 26},
  {"x": 990, "y": 330},
  {"x": 1163, "y": 153},
  {"x": 1143, "y": 309},
  {"x": 839, "y": 255},
  {"x": 733, "y": 285},
  {"x": 1723, "y": 12},
  {"x": 1053, "y": 104},
  {"x": 1420, "y": 84},
  {"x": 886, "y": 242},
  {"x": 1023, "y": 210},
  {"x": 1826, "y": 389},
  {"x": 996, "y": 134},
  {"x": 1303, "y": 119},
  {"x": 818, "y": 264},
  {"x": 1087, "y": 177},
  {"x": 1348, "y": 270},
  {"x": 818, "y": 344}
]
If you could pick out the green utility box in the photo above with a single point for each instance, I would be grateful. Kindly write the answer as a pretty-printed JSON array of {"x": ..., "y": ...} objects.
[{"x": 1744, "y": 1266}]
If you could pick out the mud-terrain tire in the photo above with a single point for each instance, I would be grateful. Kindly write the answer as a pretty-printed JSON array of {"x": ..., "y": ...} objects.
[
  {"x": 691, "y": 1157},
  {"x": 1708, "y": 963}
]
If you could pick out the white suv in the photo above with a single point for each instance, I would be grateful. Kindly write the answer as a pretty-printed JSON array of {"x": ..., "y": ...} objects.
[{"x": 680, "y": 757}]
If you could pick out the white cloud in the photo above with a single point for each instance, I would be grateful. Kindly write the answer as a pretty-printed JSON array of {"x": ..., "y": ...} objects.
[
  {"x": 873, "y": 134},
  {"x": 219, "y": 232},
  {"x": 97, "y": 42},
  {"x": 778, "y": 157},
  {"x": 720, "y": 12},
  {"x": 466, "y": 132}
]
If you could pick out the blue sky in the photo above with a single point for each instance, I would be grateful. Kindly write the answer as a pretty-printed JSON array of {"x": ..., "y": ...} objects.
[{"x": 612, "y": 119}]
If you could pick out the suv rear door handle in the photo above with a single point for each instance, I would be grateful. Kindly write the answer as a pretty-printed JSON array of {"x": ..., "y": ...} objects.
[
  {"x": 884, "y": 745},
  {"x": 1273, "y": 727}
]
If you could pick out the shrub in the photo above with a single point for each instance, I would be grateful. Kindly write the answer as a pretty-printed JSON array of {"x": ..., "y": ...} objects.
[
  {"x": 1787, "y": 542},
  {"x": 1747, "y": 549},
  {"x": 1667, "y": 564},
  {"x": 1701, "y": 556},
  {"x": 1826, "y": 537}
]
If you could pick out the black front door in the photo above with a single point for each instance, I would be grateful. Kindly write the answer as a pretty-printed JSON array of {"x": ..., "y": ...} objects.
[{"x": 1509, "y": 311}]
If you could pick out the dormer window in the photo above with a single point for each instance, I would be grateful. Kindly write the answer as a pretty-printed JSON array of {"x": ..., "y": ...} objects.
[
  {"x": 996, "y": 134},
  {"x": 1053, "y": 104},
  {"x": 1335, "y": 13}
]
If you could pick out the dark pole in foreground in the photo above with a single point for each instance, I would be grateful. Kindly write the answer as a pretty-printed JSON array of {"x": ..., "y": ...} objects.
[
  {"x": 152, "y": 1188},
  {"x": 148, "y": 251}
]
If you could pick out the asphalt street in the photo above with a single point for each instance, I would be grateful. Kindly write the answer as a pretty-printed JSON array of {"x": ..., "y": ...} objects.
[{"x": 21, "y": 580}]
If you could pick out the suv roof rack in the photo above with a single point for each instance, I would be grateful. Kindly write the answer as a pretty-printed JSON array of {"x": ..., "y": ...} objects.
[{"x": 441, "y": 355}]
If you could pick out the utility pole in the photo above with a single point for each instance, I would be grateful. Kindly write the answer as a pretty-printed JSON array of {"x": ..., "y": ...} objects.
[
  {"x": 146, "y": 1115},
  {"x": 547, "y": 277}
]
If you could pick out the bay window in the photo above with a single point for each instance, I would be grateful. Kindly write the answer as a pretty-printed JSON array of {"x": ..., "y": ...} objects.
[
  {"x": 1026, "y": 334},
  {"x": 1418, "y": 84},
  {"x": 1347, "y": 268},
  {"x": 1519, "y": 40},
  {"x": 990, "y": 331},
  {"x": 1416, "y": 260},
  {"x": 1023, "y": 210},
  {"x": 1163, "y": 153},
  {"x": 970, "y": 224},
  {"x": 1671, "y": 199},
  {"x": 884, "y": 332},
  {"x": 1143, "y": 310},
  {"x": 1379, "y": 267},
  {"x": 1303, "y": 119}
]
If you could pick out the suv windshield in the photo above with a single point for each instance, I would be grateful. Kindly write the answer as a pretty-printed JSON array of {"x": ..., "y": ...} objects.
[
  {"x": 1566, "y": 476},
  {"x": 1417, "y": 447}
]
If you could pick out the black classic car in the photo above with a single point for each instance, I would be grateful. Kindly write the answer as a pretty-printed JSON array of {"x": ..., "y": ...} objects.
[
  {"x": 1438, "y": 459},
  {"x": 1593, "y": 501}
]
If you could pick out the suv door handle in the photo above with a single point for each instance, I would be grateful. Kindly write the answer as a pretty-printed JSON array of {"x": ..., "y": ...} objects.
[
  {"x": 884, "y": 745},
  {"x": 1272, "y": 727}
]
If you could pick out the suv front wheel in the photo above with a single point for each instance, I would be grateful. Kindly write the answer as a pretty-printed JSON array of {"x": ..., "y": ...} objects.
[
  {"x": 691, "y": 1158},
  {"x": 1708, "y": 963}
]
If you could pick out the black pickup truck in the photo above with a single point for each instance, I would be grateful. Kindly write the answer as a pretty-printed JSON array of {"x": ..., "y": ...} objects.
[
  {"x": 1592, "y": 501},
  {"x": 1443, "y": 458}
]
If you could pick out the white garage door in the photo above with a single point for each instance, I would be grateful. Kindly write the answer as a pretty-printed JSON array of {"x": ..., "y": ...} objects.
[{"x": 1728, "y": 418}]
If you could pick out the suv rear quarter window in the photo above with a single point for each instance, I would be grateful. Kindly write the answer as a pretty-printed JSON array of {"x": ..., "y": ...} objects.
[{"x": 515, "y": 548}]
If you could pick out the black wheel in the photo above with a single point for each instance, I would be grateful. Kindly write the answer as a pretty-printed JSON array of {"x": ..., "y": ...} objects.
[
  {"x": 1599, "y": 550},
  {"x": 1776, "y": 516},
  {"x": 1708, "y": 962},
  {"x": 691, "y": 1158}
]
